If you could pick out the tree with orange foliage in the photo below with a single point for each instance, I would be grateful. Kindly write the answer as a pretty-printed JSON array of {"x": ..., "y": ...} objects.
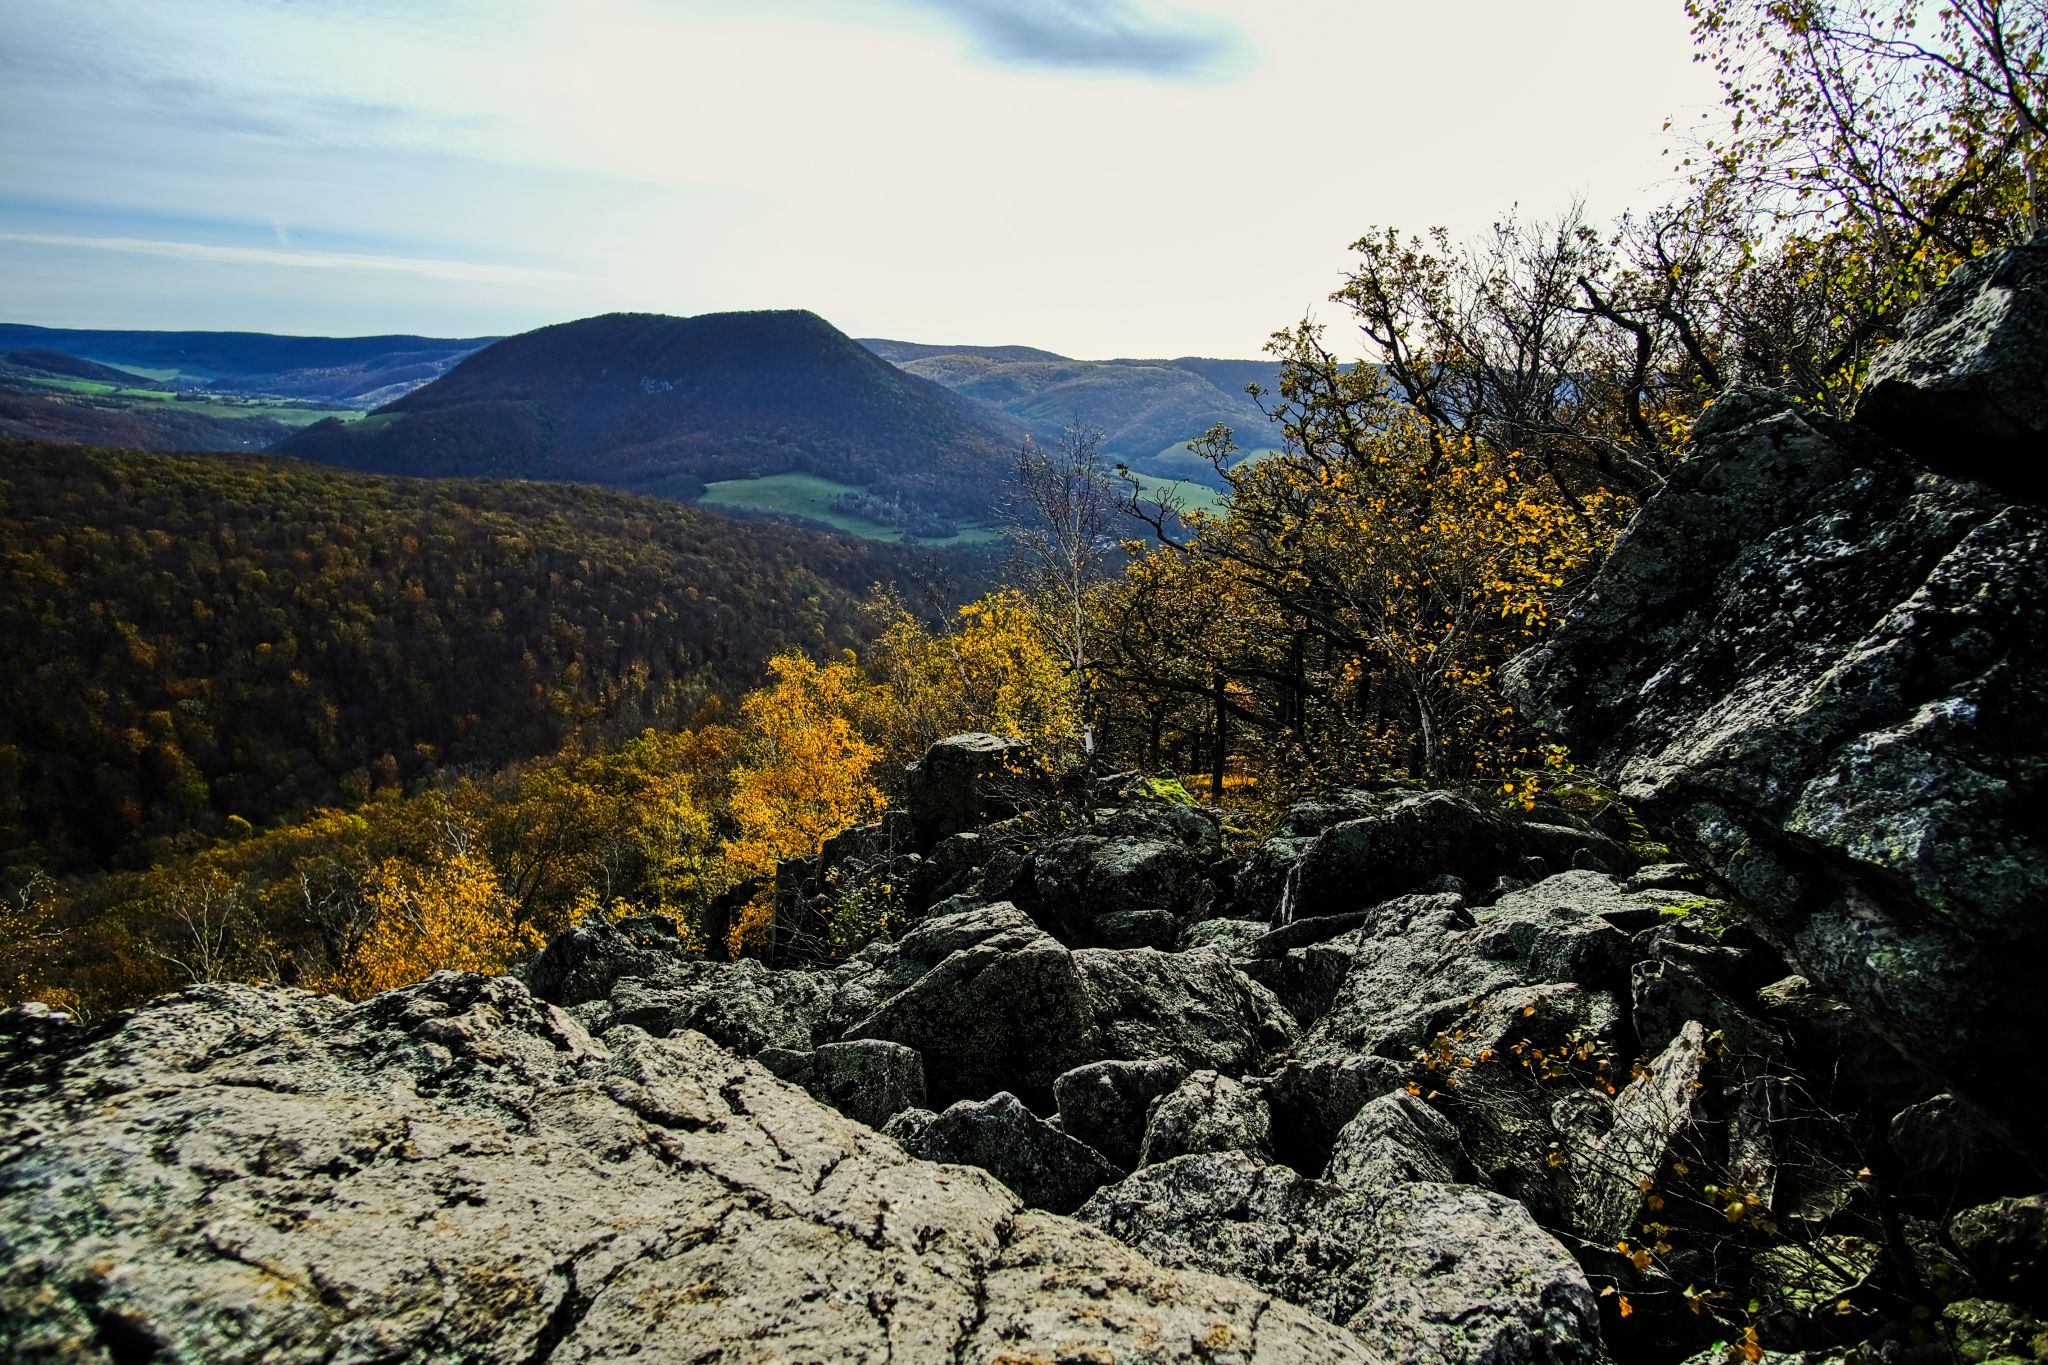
[
  {"x": 806, "y": 774},
  {"x": 443, "y": 916},
  {"x": 1378, "y": 571}
]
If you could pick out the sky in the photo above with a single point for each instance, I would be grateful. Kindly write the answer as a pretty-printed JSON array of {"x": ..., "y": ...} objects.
[{"x": 1097, "y": 177}]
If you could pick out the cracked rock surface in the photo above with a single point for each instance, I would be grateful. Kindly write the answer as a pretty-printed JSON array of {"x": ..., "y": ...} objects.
[{"x": 457, "y": 1171}]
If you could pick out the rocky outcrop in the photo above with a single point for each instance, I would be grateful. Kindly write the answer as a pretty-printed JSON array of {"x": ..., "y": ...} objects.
[
  {"x": 459, "y": 1171},
  {"x": 1963, "y": 391},
  {"x": 1044, "y": 1166},
  {"x": 1015, "y": 1008},
  {"x": 1105, "y": 1104},
  {"x": 1332, "y": 857},
  {"x": 953, "y": 787},
  {"x": 867, "y": 1080},
  {"x": 1395, "y": 1140},
  {"x": 1208, "y": 1113},
  {"x": 1822, "y": 666},
  {"x": 1419, "y": 1271}
]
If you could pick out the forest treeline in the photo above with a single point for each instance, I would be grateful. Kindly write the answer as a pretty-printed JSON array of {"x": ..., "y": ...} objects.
[
  {"x": 1344, "y": 619},
  {"x": 199, "y": 641}
]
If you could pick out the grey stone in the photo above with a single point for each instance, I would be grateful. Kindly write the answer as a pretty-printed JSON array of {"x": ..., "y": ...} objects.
[
  {"x": 1823, "y": 669},
  {"x": 1394, "y": 1140},
  {"x": 1208, "y": 1112},
  {"x": 1665, "y": 877},
  {"x": 1850, "y": 1065},
  {"x": 1046, "y": 1168},
  {"x": 1419, "y": 971},
  {"x": 457, "y": 1171},
  {"x": 1009, "y": 1012},
  {"x": 1304, "y": 980},
  {"x": 743, "y": 1005},
  {"x": 1950, "y": 1152},
  {"x": 1138, "y": 929},
  {"x": 952, "y": 788},
  {"x": 1311, "y": 1101},
  {"x": 1613, "y": 1168},
  {"x": 1010, "y": 1008},
  {"x": 1668, "y": 991},
  {"x": 1226, "y": 935},
  {"x": 2006, "y": 1243},
  {"x": 1080, "y": 879},
  {"x": 584, "y": 963},
  {"x": 1193, "y": 1006},
  {"x": 1422, "y": 1272},
  {"x": 1413, "y": 838},
  {"x": 1104, "y": 1104},
  {"x": 869, "y": 1081},
  {"x": 1962, "y": 389}
]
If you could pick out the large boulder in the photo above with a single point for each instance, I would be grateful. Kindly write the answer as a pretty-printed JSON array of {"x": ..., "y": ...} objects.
[
  {"x": 2006, "y": 1243},
  {"x": 1195, "y": 1007},
  {"x": 1105, "y": 1104},
  {"x": 584, "y": 963},
  {"x": 867, "y": 1080},
  {"x": 743, "y": 1005},
  {"x": 1395, "y": 1140},
  {"x": 1208, "y": 1113},
  {"x": 1010, "y": 1012},
  {"x": 1420, "y": 1271},
  {"x": 1426, "y": 964},
  {"x": 1964, "y": 390},
  {"x": 1823, "y": 669},
  {"x": 458, "y": 1171},
  {"x": 1046, "y": 1168},
  {"x": 994, "y": 1003},
  {"x": 1080, "y": 879},
  {"x": 1405, "y": 841},
  {"x": 953, "y": 787}
]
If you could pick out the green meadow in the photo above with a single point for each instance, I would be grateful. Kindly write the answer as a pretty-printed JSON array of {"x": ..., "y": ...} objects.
[
  {"x": 810, "y": 497},
  {"x": 279, "y": 410}
]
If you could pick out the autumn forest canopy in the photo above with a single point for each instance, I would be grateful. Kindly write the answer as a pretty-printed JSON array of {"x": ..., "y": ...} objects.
[{"x": 267, "y": 720}]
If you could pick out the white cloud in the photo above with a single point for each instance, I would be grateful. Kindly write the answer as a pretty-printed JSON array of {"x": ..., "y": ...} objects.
[{"x": 475, "y": 272}]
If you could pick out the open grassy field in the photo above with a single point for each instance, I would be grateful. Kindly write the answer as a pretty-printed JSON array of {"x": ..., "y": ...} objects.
[
  {"x": 97, "y": 389},
  {"x": 810, "y": 497},
  {"x": 1179, "y": 462},
  {"x": 1194, "y": 497},
  {"x": 280, "y": 410}
]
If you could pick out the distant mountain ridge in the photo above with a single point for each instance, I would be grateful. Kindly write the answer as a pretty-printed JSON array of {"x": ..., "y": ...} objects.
[
  {"x": 648, "y": 401},
  {"x": 358, "y": 371},
  {"x": 1144, "y": 408},
  {"x": 42, "y": 362}
]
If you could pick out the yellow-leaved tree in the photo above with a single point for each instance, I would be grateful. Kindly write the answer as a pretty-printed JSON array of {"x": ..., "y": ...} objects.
[
  {"x": 990, "y": 669},
  {"x": 1351, "y": 609},
  {"x": 426, "y": 917},
  {"x": 806, "y": 773}
]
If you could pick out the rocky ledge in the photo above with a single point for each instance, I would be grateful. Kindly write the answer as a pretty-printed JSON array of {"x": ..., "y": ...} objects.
[{"x": 458, "y": 1171}]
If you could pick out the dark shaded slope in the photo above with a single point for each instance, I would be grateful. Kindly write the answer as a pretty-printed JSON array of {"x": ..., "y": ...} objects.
[
  {"x": 42, "y": 361},
  {"x": 36, "y": 414},
  {"x": 193, "y": 638},
  {"x": 639, "y": 400},
  {"x": 339, "y": 368}
]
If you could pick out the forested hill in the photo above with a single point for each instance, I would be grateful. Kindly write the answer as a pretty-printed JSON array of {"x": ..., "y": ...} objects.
[
  {"x": 191, "y": 639},
  {"x": 645, "y": 401},
  {"x": 1144, "y": 408},
  {"x": 360, "y": 370}
]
